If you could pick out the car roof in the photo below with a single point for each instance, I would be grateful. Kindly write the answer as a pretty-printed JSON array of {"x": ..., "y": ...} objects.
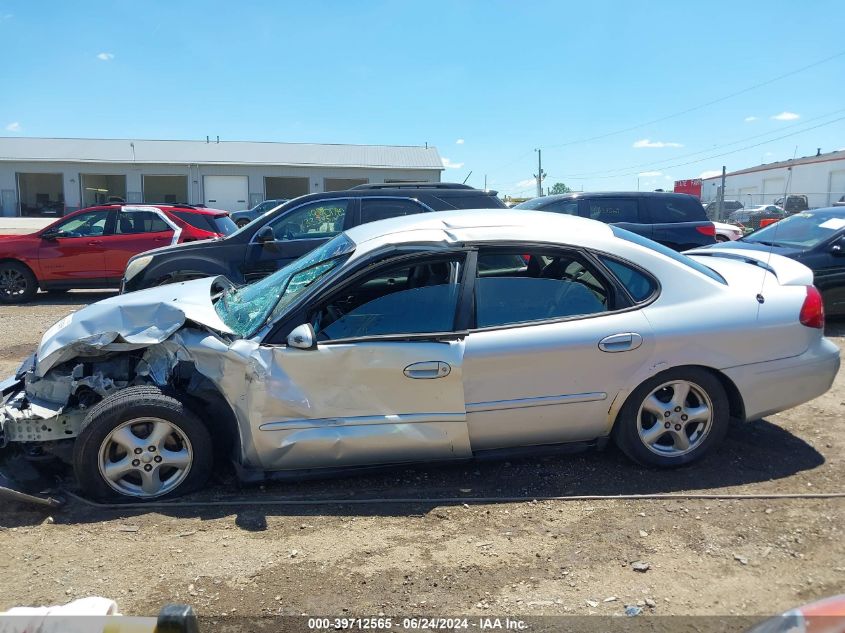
[
  {"x": 837, "y": 211},
  {"x": 614, "y": 194},
  {"x": 186, "y": 208},
  {"x": 450, "y": 228}
]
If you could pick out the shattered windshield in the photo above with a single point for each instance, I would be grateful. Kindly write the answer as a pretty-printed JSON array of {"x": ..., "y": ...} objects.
[{"x": 247, "y": 308}]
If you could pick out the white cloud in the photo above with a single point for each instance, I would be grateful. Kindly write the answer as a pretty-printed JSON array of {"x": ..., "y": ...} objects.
[
  {"x": 448, "y": 164},
  {"x": 14, "y": 127},
  {"x": 786, "y": 116},
  {"x": 649, "y": 174},
  {"x": 460, "y": 141},
  {"x": 644, "y": 142},
  {"x": 749, "y": 119},
  {"x": 710, "y": 173},
  {"x": 524, "y": 184},
  {"x": 106, "y": 57}
]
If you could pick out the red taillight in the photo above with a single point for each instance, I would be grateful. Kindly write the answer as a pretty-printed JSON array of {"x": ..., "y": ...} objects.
[
  {"x": 707, "y": 229},
  {"x": 812, "y": 312}
]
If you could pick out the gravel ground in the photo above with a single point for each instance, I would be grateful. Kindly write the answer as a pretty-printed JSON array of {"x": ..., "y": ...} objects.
[{"x": 693, "y": 557}]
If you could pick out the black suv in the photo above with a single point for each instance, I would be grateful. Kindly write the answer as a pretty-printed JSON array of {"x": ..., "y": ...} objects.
[
  {"x": 676, "y": 220},
  {"x": 297, "y": 227}
]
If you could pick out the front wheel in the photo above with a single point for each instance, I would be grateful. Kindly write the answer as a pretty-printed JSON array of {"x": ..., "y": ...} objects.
[
  {"x": 140, "y": 444},
  {"x": 17, "y": 283},
  {"x": 673, "y": 418}
]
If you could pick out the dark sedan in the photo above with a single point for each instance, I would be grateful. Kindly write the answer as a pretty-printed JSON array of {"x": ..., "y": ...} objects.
[{"x": 816, "y": 239}]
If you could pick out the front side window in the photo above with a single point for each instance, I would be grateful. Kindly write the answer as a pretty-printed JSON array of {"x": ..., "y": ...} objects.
[
  {"x": 566, "y": 207},
  {"x": 611, "y": 210},
  {"x": 129, "y": 222},
  {"x": 84, "y": 224},
  {"x": 539, "y": 286},
  {"x": 312, "y": 221},
  {"x": 244, "y": 310},
  {"x": 376, "y": 209},
  {"x": 407, "y": 298}
]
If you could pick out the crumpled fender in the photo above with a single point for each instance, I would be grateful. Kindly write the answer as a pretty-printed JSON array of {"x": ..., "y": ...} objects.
[{"x": 128, "y": 322}]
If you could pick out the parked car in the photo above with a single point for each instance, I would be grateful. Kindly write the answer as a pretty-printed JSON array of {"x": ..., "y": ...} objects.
[
  {"x": 244, "y": 217},
  {"x": 751, "y": 217},
  {"x": 298, "y": 226},
  {"x": 816, "y": 239},
  {"x": 437, "y": 336},
  {"x": 712, "y": 208},
  {"x": 90, "y": 248},
  {"x": 793, "y": 203},
  {"x": 727, "y": 232},
  {"x": 676, "y": 220}
]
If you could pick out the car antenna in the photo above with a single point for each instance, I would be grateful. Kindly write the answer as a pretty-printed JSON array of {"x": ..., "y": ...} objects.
[
  {"x": 467, "y": 178},
  {"x": 760, "y": 298}
]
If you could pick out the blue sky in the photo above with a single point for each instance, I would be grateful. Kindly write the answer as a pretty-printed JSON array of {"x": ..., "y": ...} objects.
[{"x": 485, "y": 82}]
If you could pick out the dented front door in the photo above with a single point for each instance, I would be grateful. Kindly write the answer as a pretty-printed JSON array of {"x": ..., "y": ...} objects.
[{"x": 362, "y": 403}]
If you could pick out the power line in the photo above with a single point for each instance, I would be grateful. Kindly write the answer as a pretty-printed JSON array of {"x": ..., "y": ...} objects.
[
  {"x": 700, "y": 106},
  {"x": 701, "y": 160},
  {"x": 659, "y": 163}
]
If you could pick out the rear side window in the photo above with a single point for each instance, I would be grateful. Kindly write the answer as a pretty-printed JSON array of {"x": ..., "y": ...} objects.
[
  {"x": 129, "y": 222},
  {"x": 668, "y": 252},
  {"x": 638, "y": 285},
  {"x": 478, "y": 201},
  {"x": 199, "y": 221},
  {"x": 669, "y": 209},
  {"x": 611, "y": 210},
  {"x": 376, "y": 209},
  {"x": 513, "y": 288}
]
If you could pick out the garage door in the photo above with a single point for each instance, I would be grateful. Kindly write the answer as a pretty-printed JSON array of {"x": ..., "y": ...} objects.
[
  {"x": 772, "y": 189},
  {"x": 837, "y": 186},
  {"x": 229, "y": 193}
]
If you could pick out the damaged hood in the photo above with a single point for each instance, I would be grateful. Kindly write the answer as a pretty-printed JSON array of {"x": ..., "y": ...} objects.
[{"x": 130, "y": 321}]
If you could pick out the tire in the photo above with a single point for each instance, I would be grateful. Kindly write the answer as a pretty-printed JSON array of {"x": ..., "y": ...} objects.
[
  {"x": 17, "y": 283},
  {"x": 722, "y": 238},
  {"x": 242, "y": 223},
  {"x": 177, "y": 461},
  {"x": 654, "y": 398}
]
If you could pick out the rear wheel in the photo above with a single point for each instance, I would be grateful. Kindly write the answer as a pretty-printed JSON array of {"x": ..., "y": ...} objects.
[
  {"x": 17, "y": 283},
  {"x": 242, "y": 223},
  {"x": 673, "y": 419},
  {"x": 140, "y": 444}
]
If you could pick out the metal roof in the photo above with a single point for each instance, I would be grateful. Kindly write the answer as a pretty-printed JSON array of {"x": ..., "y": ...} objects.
[
  {"x": 804, "y": 160},
  {"x": 88, "y": 150}
]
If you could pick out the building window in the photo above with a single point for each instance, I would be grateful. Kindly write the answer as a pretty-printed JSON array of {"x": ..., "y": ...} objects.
[
  {"x": 41, "y": 194},
  {"x": 166, "y": 189},
  {"x": 284, "y": 188},
  {"x": 102, "y": 189}
]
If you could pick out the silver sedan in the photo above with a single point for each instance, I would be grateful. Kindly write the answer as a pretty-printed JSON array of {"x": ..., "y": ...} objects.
[{"x": 439, "y": 336}]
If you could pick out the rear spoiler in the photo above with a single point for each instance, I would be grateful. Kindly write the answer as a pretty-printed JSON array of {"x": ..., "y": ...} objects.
[{"x": 787, "y": 271}]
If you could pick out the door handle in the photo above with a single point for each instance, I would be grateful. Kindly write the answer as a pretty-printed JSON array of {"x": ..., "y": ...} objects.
[
  {"x": 623, "y": 342},
  {"x": 428, "y": 369}
]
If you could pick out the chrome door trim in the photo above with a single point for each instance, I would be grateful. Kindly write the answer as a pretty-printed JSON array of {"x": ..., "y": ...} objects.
[
  {"x": 539, "y": 401},
  {"x": 362, "y": 420}
]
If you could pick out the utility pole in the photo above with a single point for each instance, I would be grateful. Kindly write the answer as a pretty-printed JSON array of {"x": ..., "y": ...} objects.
[
  {"x": 722, "y": 195},
  {"x": 540, "y": 175}
]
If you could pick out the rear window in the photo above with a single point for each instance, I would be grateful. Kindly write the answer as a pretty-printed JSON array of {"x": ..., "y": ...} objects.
[
  {"x": 638, "y": 285},
  {"x": 668, "y": 252},
  {"x": 669, "y": 209}
]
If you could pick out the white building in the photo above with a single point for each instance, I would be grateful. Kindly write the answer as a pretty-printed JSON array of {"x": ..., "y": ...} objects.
[
  {"x": 51, "y": 176},
  {"x": 821, "y": 178}
]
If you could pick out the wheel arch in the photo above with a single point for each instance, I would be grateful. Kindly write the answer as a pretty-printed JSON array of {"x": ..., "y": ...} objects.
[
  {"x": 15, "y": 260},
  {"x": 735, "y": 402}
]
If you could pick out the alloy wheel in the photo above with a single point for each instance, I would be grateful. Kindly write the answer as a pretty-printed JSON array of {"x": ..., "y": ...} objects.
[
  {"x": 675, "y": 418},
  {"x": 12, "y": 282},
  {"x": 145, "y": 457}
]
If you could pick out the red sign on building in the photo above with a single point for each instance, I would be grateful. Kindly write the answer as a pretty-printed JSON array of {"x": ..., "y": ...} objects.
[{"x": 692, "y": 187}]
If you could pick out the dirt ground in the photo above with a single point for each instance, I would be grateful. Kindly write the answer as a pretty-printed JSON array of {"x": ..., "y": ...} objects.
[{"x": 526, "y": 558}]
